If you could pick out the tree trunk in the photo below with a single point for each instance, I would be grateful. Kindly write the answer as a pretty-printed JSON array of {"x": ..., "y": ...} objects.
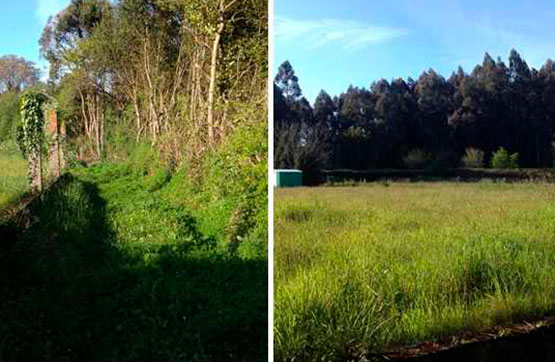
[{"x": 213, "y": 75}]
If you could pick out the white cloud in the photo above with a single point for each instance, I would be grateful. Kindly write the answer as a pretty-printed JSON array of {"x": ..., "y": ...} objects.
[
  {"x": 347, "y": 35},
  {"x": 48, "y": 8}
]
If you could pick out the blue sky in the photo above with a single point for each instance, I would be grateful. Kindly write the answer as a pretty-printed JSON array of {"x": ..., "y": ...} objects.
[
  {"x": 332, "y": 44},
  {"x": 21, "y": 24}
]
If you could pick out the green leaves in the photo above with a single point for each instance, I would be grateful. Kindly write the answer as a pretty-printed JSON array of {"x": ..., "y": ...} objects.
[
  {"x": 502, "y": 159},
  {"x": 30, "y": 135}
]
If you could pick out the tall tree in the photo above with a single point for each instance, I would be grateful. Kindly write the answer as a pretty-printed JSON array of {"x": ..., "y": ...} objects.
[
  {"x": 17, "y": 73},
  {"x": 287, "y": 81},
  {"x": 324, "y": 108}
]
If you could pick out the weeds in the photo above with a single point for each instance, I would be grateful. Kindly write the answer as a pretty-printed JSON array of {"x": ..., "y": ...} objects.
[
  {"x": 363, "y": 269},
  {"x": 116, "y": 270},
  {"x": 13, "y": 174}
]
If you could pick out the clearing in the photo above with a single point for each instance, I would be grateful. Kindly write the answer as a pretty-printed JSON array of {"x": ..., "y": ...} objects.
[
  {"x": 13, "y": 176},
  {"x": 360, "y": 270}
]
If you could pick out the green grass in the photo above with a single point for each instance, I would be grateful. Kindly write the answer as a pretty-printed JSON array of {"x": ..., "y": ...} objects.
[
  {"x": 124, "y": 266},
  {"x": 363, "y": 269},
  {"x": 13, "y": 177}
]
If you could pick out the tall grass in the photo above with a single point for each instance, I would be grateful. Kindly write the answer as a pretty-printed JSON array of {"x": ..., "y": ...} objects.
[
  {"x": 120, "y": 267},
  {"x": 363, "y": 269},
  {"x": 13, "y": 174}
]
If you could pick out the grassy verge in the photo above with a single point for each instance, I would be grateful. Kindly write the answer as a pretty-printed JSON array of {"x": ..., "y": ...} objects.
[
  {"x": 13, "y": 175},
  {"x": 363, "y": 269},
  {"x": 122, "y": 266}
]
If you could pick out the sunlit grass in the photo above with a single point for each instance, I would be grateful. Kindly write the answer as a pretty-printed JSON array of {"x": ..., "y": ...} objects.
[
  {"x": 13, "y": 179},
  {"x": 114, "y": 270},
  {"x": 362, "y": 269}
]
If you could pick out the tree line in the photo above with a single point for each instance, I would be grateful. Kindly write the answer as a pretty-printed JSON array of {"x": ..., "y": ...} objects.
[
  {"x": 16, "y": 75},
  {"x": 497, "y": 105},
  {"x": 181, "y": 75},
  {"x": 175, "y": 87}
]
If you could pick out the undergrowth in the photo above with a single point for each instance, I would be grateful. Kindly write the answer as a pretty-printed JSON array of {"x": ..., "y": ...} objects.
[
  {"x": 13, "y": 174},
  {"x": 136, "y": 261}
]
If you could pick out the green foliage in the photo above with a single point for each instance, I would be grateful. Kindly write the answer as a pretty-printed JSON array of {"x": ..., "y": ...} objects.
[
  {"x": 473, "y": 158},
  {"x": 160, "y": 178},
  {"x": 513, "y": 160},
  {"x": 120, "y": 142},
  {"x": 30, "y": 136},
  {"x": 417, "y": 159},
  {"x": 360, "y": 270},
  {"x": 13, "y": 179},
  {"x": 118, "y": 270},
  {"x": 501, "y": 159},
  {"x": 235, "y": 186},
  {"x": 9, "y": 115}
]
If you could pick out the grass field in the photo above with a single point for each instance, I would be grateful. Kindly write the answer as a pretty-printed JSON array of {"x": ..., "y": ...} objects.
[
  {"x": 13, "y": 179},
  {"x": 122, "y": 266},
  {"x": 363, "y": 269}
]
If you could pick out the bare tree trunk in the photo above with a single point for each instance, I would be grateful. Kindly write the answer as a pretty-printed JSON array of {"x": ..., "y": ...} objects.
[
  {"x": 213, "y": 75},
  {"x": 137, "y": 115}
]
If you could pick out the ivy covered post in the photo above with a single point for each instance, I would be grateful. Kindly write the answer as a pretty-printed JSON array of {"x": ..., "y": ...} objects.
[{"x": 31, "y": 135}]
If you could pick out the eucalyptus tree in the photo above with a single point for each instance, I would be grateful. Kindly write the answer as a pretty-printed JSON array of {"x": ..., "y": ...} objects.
[{"x": 496, "y": 105}]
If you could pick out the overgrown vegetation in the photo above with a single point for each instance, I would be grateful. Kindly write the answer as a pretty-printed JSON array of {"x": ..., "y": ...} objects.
[
  {"x": 159, "y": 251},
  {"x": 13, "y": 174},
  {"x": 30, "y": 136},
  {"x": 360, "y": 270},
  {"x": 502, "y": 159},
  {"x": 9, "y": 115},
  {"x": 130, "y": 263}
]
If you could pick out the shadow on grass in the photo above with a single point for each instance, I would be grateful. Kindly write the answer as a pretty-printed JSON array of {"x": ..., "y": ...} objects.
[{"x": 69, "y": 293}]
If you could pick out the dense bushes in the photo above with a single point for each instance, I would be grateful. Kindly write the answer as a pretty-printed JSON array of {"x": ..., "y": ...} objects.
[
  {"x": 9, "y": 115},
  {"x": 502, "y": 159},
  {"x": 112, "y": 269},
  {"x": 226, "y": 193},
  {"x": 230, "y": 195}
]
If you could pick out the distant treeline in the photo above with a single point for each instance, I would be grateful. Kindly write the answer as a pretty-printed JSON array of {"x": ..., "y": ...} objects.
[{"x": 496, "y": 105}]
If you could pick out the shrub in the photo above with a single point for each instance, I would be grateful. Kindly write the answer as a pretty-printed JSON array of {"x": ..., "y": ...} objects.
[
  {"x": 417, "y": 159},
  {"x": 513, "y": 160},
  {"x": 473, "y": 158},
  {"x": 502, "y": 159},
  {"x": 9, "y": 115}
]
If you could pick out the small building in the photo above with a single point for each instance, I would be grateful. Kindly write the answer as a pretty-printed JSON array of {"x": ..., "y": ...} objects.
[{"x": 288, "y": 178}]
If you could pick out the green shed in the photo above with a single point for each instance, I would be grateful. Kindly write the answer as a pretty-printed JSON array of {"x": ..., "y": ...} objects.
[{"x": 288, "y": 178}]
